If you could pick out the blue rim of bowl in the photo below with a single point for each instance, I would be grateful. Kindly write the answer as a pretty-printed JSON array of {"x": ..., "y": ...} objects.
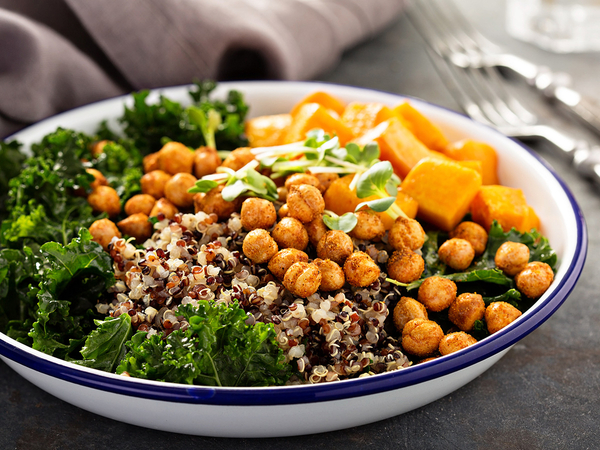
[{"x": 285, "y": 395}]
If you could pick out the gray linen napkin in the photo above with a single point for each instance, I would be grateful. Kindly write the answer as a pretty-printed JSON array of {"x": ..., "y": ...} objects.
[{"x": 58, "y": 54}]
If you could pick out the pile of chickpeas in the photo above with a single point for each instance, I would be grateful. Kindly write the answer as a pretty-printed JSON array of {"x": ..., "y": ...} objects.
[{"x": 279, "y": 234}]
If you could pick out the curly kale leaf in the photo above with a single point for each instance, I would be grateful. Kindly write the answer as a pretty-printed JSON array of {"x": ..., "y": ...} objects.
[
  {"x": 64, "y": 143},
  {"x": 12, "y": 159},
  {"x": 218, "y": 349},
  {"x": 76, "y": 276}
]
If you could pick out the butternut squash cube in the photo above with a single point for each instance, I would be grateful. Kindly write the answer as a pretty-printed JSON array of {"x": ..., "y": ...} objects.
[
  {"x": 421, "y": 126},
  {"x": 472, "y": 150},
  {"x": 324, "y": 99},
  {"x": 444, "y": 190},
  {"x": 362, "y": 117},
  {"x": 266, "y": 131},
  {"x": 506, "y": 205},
  {"x": 312, "y": 115}
]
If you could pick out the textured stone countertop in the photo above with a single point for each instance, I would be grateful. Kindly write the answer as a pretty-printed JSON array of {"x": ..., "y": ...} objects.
[{"x": 543, "y": 394}]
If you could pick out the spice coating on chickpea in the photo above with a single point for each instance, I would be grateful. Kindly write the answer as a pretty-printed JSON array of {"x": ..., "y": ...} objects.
[
  {"x": 175, "y": 157},
  {"x": 332, "y": 275},
  {"x": 137, "y": 226},
  {"x": 257, "y": 213},
  {"x": 140, "y": 203},
  {"x": 454, "y": 342},
  {"x": 302, "y": 279},
  {"x": 259, "y": 246},
  {"x": 206, "y": 161},
  {"x": 360, "y": 269},
  {"x": 405, "y": 265},
  {"x": 466, "y": 310},
  {"x": 406, "y": 310},
  {"x": 500, "y": 314},
  {"x": 336, "y": 246},
  {"x": 421, "y": 337},
  {"x": 369, "y": 226},
  {"x": 105, "y": 199},
  {"x": 150, "y": 162},
  {"x": 283, "y": 259},
  {"x": 290, "y": 233},
  {"x": 456, "y": 253},
  {"x": 165, "y": 207},
  {"x": 283, "y": 211},
  {"x": 103, "y": 230},
  {"x": 153, "y": 183},
  {"x": 534, "y": 279},
  {"x": 238, "y": 158},
  {"x": 325, "y": 179},
  {"x": 472, "y": 232},
  {"x": 99, "y": 179},
  {"x": 212, "y": 202},
  {"x": 406, "y": 233},
  {"x": 511, "y": 257},
  {"x": 305, "y": 202},
  {"x": 297, "y": 179},
  {"x": 437, "y": 293},
  {"x": 176, "y": 190},
  {"x": 316, "y": 229}
]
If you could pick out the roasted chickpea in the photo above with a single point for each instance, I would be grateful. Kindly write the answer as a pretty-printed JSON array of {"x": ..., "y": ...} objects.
[
  {"x": 257, "y": 213},
  {"x": 140, "y": 203},
  {"x": 369, "y": 226},
  {"x": 165, "y": 207},
  {"x": 534, "y": 279},
  {"x": 174, "y": 158},
  {"x": 305, "y": 202},
  {"x": 212, "y": 202},
  {"x": 456, "y": 253},
  {"x": 360, "y": 269},
  {"x": 325, "y": 180},
  {"x": 282, "y": 193},
  {"x": 406, "y": 233},
  {"x": 500, "y": 314},
  {"x": 332, "y": 275},
  {"x": 336, "y": 246},
  {"x": 472, "y": 232},
  {"x": 406, "y": 310},
  {"x": 421, "y": 337},
  {"x": 238, "y": 158},
  {"x": 105, "y": 199},
  {"x": 99, "y": 179},
  {"x": 176, "y": 190},
  {"x": 137, "y": 226},
  {"x": 405, "y": 265},
  {"x": 98, "y": 147},
  {"x": 150, "y": 162},
  {"x": 290, "y": 233},
  {"x": 259, "y": 246},
  {"x": 206, "y": 161},
  {"x": 437, "y": 293},
  {"x": 454, "y": 342},
  {"x": 512, "y": 257},
  {"x": 316, "y": 229},
  {"x": 153, "y": 183},
  {"x": 466, "y": 310},
  {"x": 103, "y": 230},
  {"x": 283, "y": 211},
  {"x": 302, "y": 279},
  {"x": 283, "y": 259},
  {"x": 297, "y": 179}
]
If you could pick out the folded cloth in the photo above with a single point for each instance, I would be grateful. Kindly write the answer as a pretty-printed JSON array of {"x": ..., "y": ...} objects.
[{"x": 59, "y": 54}]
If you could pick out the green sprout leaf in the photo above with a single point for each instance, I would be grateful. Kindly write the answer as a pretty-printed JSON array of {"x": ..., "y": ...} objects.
[{"x": 345, "y": 222}]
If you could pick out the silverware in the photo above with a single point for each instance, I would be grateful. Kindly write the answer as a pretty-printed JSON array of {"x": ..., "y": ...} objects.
[{"x": 466, "y": 47}]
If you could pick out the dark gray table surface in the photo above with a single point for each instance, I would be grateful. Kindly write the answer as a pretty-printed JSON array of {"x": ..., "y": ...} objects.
[{"x": 543, "y": 394}]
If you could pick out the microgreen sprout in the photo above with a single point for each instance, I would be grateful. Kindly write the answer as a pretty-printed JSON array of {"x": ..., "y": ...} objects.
[
  {"x": 345, "y": 222},
  {"x": 381, "y": 182},
  {"x": 208, "y": 121}
]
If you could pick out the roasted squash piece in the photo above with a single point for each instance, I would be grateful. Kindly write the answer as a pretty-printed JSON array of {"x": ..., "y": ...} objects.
[
  {"x": 444, "y": 190},
  {"x": 506, "y": 205},
  {"x": 468, "y": 149},
  {"x": 422, "y": 128},
  {"x": 398, "y": 145},
  {"x": 362, "y": 117},
  {"x": 340, "y": 199},
  {"x": 266, "y": 131},
  {"x": 324, "y": 99},
  {"x": 313, "y": 115}
]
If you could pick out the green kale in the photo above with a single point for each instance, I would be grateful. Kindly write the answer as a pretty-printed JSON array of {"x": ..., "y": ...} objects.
[
  {"x": 218, "y": 349},
  {"x": 64, "y": 144},
  {"x": 12, "y": 160}
]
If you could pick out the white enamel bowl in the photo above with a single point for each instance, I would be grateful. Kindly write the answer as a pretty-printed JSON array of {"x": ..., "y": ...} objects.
[{"x": 285, "y": 411}]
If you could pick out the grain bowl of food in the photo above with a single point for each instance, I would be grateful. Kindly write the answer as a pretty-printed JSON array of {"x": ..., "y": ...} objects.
[{"x": 242, "y": 260}]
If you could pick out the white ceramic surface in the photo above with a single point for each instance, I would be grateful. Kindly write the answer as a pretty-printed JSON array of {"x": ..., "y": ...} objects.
[{"x": 284, "y": 411}]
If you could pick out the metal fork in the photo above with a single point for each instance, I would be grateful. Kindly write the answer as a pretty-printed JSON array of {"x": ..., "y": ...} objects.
[
  {"x": 452, "y": 36},
  {"x": 482, "y": 94}
]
